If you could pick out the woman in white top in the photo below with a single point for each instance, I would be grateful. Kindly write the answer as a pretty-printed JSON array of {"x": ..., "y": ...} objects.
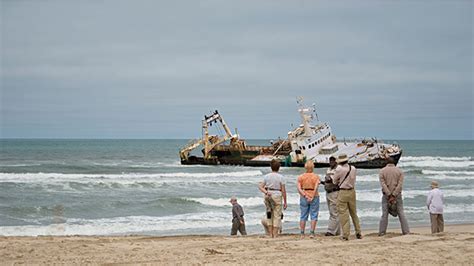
[{"x": 435, "y": 202}]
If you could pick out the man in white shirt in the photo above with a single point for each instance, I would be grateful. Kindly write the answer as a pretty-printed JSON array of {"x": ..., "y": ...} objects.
[
  {"x": 273, "y": 186},
  {"x": 435, "y": 202}
]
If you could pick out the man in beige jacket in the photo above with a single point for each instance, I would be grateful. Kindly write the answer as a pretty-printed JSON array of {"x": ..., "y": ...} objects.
[
  {"x": 345, "y": 178},
  {"x": 391, "y": 180}
]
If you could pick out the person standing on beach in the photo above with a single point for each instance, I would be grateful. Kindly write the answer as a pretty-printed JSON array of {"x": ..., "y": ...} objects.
[
  {"x": 391, "y": 180},
  {"x": 238, "y": 223},
  {"x": 435, "y": 203},
  {"x": 273, "y": 187},
  {"x": 334, "y": 227},
  {"x": 309, "y": 198},
  {"x": 345, "y": 177}
]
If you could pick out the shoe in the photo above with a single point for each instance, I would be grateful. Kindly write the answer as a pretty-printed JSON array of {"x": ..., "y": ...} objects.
[
  {"x": 381, "y": 234},
  {"x": 311, "y": 235},
  {"x": 359, "y": 236},
  {"x": 344, "y": 238},
  {"x": 328, "y": 234}
]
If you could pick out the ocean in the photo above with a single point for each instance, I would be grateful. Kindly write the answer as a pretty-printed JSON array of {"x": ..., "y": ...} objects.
[{"x": 130, "y": 187}]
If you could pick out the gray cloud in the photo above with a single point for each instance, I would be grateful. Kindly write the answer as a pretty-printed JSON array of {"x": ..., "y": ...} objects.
[{"x": 152, "y": 69}]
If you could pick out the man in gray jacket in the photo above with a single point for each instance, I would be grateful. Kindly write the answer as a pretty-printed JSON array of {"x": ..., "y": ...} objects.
[{"x": 391, "y": 180}]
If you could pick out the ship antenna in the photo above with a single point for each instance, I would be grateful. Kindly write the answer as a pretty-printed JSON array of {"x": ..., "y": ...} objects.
[
  {"x": 299, "y": 101},
  {"x": 314, "y": 111}
]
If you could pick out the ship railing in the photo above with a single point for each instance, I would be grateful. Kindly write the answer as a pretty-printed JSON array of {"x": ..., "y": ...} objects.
[{"x": 361, "y": 139}]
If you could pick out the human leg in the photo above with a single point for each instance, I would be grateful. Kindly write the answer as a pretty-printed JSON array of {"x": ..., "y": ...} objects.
[
  {"x": 342, "y": 208},
  {"x": 276, "y": 214},
  {"x": 333, "y": 223},
  {"x": 401, "y": 215},
  {"x": 304, "y": 213},
  {"x": 434, "y": 223},
  {"x": 314, "y": 211},
  {"x": 353, "y": 212},
  {"x": 242, "y": 229},
  {"x": 235, "y": 227},
  {"x": 440, "y": 220},
  {"x": 384, "y": 219}
]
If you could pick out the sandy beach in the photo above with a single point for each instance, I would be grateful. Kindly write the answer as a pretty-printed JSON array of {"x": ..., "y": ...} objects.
[{"x": 454, "y": 246}]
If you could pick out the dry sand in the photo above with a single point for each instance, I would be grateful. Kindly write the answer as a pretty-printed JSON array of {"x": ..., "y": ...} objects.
[{"x": 455, "y": 246}]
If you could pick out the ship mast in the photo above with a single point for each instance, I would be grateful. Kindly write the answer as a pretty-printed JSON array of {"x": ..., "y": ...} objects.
[
  {"x": 213, "y": 141},
  {"x": 307, "y": 115}
]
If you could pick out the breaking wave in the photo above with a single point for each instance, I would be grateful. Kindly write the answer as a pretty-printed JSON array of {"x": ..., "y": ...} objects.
[
  {"x": 179, "y": 223},
  {"x": 436, "y": 162},
  {"x": 9, "y": 177},
  {"x": 362, "y": 195}
]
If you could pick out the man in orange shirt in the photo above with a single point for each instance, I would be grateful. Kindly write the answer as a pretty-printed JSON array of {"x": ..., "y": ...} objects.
[{"x": 309, "y": 198}]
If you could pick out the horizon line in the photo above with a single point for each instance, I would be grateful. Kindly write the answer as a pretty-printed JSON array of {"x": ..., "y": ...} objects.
[{"x": 349, "y": 138}]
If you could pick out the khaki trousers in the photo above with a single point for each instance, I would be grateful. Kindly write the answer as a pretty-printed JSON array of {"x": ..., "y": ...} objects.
[
  {"x": 437, "y": 223},
  {"x": 334, "y": 227},
  {"x": 346, "y": 205},
  {"x": 273, "y": 203}
]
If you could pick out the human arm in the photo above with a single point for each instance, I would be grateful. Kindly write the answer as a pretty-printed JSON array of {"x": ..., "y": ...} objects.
[
  {"x": 240, "y": 214},
  {"x": 383, "y": 184},
  {"x": 336, "y": 176},
  {"x": 316, "y": 185},
  {"x": 300, "y": 189},
  {"x": 398, "y": 188},
  {"x": 261, "y": 187},
  {"x": 283, "y": 193},
  {"x": 302, "y": 192},
  {"x": 429, "y": 199}
]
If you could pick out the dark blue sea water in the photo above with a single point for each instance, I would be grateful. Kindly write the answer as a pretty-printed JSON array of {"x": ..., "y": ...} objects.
[{"x": 117, "y": 187}]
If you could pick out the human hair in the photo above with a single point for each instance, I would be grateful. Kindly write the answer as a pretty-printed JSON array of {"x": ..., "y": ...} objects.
[
  {"x": 332, "y": 158},
  {"x": 275, "y": 165},
  {"x": 390, "y": 160},
  {"x": 309, "y": 165}
]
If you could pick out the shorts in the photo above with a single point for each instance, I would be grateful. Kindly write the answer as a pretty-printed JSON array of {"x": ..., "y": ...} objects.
[{"x": 308, "y": 208}]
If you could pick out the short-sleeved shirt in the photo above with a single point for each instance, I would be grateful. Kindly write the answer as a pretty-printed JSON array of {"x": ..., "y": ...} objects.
[
  {"x": 340, "y": 174},
  {"x": 273, "y": 182},
  {"x": 308, "y": 182}
]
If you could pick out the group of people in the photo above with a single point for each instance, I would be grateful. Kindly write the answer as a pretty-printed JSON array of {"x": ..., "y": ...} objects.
[{"x": 339, "y": 184}]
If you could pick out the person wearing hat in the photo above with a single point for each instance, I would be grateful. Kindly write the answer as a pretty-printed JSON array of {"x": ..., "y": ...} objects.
[
  {"x": 345, "y": 177},
  {"x": 391, "y": 181},
  {"x": 435, "y": 202},
  {"x": 238, "y": 223},
  {"x": 334, "y": 227}
]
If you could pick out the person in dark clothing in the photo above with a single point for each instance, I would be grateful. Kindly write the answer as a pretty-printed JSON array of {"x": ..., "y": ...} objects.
[{"x": 238, "y": 223}]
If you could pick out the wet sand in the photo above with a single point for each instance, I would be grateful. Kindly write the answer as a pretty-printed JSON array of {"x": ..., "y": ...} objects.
[{"x": 454, "y": 246}]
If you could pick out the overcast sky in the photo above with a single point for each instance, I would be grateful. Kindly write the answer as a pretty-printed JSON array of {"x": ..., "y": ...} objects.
[{"x": 152, "y": 69}]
